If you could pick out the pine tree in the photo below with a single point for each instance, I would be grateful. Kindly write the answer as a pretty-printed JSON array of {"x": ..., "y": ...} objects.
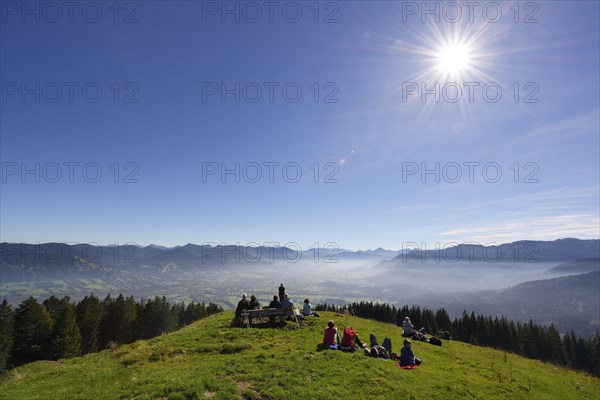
[
  {"x": 554, "y": 347},
  {"x": 89, "y": 313},
  {"x": 108, "y": 323},
  {"x": 6, "y": 333},
  {"x": 53, "y": 305},
  {"x": 66, "y": 339},
  {"x": 33, "y": 333},
  {"x": 120, "y": 321},
  {"x": 210, "y": 309},
  {"x": 193, "y": 312},
  {"x": 442, "y": 319},
  {"x": 596, "y": 354},
  {"x": 131, "y": 320},
  {"x": 429, "y": 321},
  {"x": 157, "y": 317}
]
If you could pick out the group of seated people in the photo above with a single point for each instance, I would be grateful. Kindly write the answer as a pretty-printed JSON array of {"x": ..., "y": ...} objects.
[
  {"x": 351, "y": 342},
  {"x": 412, "y": 332},
  {"x": 279, "y": 301}
]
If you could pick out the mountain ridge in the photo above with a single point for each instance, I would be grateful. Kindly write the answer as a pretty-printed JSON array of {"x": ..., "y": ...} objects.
[{"x": 522, "y": 251}]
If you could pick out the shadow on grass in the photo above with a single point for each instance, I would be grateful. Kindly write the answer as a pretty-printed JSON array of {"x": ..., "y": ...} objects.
[{"x": 288, "y": 324}]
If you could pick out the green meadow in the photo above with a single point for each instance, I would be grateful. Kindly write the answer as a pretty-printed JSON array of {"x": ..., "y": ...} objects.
[{"x": 211, "y": 360}]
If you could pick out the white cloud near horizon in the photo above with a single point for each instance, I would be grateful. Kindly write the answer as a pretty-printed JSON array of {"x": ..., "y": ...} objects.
[{"x": 581, "y": 226}]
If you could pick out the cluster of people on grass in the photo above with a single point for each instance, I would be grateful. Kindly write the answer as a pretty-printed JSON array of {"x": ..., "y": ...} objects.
[
  {"x": 279, "y": 301},
  {"x": 411, "y": 332},
  {"x": 351, "y": 342}
]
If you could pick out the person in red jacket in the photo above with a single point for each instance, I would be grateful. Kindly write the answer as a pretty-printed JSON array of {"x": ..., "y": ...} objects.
[
  {"x": 330, "y": 335},
  {"x": 350, "y": 341}
]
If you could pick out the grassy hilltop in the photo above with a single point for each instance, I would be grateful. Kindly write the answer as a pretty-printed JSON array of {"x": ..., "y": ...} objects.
[{"x": 209, "y": 359}]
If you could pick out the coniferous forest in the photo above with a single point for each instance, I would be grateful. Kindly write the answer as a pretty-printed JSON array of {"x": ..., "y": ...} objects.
[{"x": 58, "y": 328}]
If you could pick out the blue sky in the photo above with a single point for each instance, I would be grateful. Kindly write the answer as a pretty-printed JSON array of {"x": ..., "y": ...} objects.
[{"x": 177, "y": 51}]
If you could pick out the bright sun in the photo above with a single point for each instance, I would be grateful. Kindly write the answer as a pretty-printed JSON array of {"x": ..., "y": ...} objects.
[{"x": 454, "y": 59}]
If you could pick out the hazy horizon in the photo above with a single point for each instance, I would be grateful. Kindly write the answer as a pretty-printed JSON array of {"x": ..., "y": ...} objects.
[{"x": 407, "y": 246}]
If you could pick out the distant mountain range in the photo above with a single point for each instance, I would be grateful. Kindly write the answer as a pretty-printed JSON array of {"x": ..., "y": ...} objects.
[
  {"x": 524, "y": 251},
  {"x": 23, "y": 260},
  {"x": 379, "y": 252},
  {"x": 217, "y": 271}
]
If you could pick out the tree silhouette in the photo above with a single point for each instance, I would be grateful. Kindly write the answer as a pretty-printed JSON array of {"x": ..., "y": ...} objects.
[
  {"x": 6, "y": 333},
  {"x": 89, "y": 312},
  {"x": 32, "y": 333}
]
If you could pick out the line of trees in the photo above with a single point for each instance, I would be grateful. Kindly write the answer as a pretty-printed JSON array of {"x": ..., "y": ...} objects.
[
  {"x": 58, "y": 328},
  {"x": 526, "y": 339}
]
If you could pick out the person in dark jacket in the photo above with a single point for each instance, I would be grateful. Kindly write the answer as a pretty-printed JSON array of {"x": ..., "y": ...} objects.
[
  {"x": 242, "y": 305},
  {"x": 274, "y": 304},
  {"x": 407, "y": 357},
  {"x": 254, "y": 304},
  {"x": 281, "y": 292}
]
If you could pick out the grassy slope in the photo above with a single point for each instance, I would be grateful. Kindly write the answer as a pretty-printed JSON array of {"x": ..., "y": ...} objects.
[{"x": 194, "y": 363}]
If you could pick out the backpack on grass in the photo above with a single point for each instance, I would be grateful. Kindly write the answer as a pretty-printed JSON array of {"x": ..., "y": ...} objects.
[{"x": 436, "y": 341}]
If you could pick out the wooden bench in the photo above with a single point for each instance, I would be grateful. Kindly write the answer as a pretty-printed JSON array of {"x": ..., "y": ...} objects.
[{"x": 250, "y": 315}]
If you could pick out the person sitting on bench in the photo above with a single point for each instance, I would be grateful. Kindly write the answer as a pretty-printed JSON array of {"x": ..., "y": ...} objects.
[
  {"x": 254, "y": 304},
  {"x": 274, "y": 304},
  {"x": 287, "y": 305},
  {"x": 242, "y": 306}
]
